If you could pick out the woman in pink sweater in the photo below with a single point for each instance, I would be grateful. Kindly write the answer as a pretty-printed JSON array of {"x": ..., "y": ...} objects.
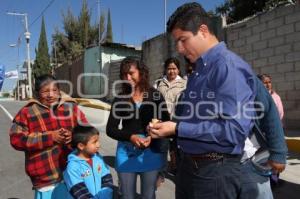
[{"x": 267, "y": 80}]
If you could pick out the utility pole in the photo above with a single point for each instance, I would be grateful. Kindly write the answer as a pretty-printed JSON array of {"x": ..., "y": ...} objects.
[
  {"x": 55, "y": 58},
  {"x": 27, "y": 37},
  {"x": 99, "y": 46},
  {"x": 18, "y": 66},
  {"x": 165, "y": 13},
  {"x": 99, "y": 36}
]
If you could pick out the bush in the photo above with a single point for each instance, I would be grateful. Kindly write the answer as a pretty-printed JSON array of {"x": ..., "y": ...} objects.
[{"x": 5, "y": 94}]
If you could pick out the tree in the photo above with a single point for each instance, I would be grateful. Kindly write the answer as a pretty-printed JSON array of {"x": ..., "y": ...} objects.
[
  {"x": 274, "y": 3},
  {"x": 84, "y": 24},
  {"x": 78, "y": 34},
  {"x": 42, "y": 62},
  {"x": 109, "y": 34},
  {"x": 236, "y": 10}
]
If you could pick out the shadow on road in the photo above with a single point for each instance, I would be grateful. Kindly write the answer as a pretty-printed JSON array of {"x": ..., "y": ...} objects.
[
  {"x": 286, "y": 189},
  {"x": 110, "y": 160},
  {"x": 292, "y": 155}
]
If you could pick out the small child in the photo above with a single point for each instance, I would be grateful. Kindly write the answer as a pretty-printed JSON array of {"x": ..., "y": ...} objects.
[{"x": 86, "y": 175}]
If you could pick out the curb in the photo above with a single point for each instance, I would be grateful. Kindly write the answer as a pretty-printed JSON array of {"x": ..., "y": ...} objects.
[
  {"x": 92, "y": 103},
  {"x": 293, "y": 144}
]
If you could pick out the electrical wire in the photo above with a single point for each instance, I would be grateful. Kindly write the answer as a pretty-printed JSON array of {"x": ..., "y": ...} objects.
[
  {"x": 49, "y": 4},
  {"x": 35, "y": 20}
]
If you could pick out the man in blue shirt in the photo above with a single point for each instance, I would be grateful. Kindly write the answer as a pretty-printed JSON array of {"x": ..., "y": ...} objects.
[{"x": 215, "y": 113}]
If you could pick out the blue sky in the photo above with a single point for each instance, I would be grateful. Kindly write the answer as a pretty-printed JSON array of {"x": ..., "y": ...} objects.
[{"x": 133, "y": 21}]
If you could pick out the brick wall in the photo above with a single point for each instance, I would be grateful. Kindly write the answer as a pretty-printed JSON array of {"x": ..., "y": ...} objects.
[
  {"x": 270, "y": 42},
  {"x": 154, "y": 53}
]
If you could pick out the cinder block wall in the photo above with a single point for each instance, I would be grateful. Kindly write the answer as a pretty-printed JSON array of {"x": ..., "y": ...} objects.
[
  {"x": 154, "y": 53},
  {"x": 270, "y": 42}
]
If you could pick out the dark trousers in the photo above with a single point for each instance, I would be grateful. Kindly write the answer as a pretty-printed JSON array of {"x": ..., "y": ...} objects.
[{"x": 223, "y": 179}]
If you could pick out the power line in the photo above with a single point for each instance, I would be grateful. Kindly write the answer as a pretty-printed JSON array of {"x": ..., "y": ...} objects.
[
  {"x": 49, "y": 4},
  {"x": 44, "y": 10}
]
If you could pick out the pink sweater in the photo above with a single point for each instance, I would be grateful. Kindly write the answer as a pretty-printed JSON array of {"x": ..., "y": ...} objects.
[{"x": 278, "y": 103}]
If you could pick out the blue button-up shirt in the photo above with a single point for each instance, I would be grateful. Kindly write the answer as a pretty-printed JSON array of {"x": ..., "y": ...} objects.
[{"x": 216, "y": 110}]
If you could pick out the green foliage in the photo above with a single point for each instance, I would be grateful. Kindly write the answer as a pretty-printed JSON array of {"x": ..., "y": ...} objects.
[
  {"x": 5, "y": 95},
  {"x": 71, "y": 26},
  {"x": 236, "y": 10},
  {"x": 109, "y": 34},
  {"x": 78, "y": 34},
  {"x": 84, "y": 23},
  {"x": 76, "y": 50},
  {"x": 274, "y": 3},
  {"x": 42, "y": 62}
]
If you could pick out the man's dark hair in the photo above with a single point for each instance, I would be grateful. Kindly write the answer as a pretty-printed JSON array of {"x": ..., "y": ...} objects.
[
  {"x": 189, "y": 17},
  {"x": 42, "y": 81},
  {"x": 82, "y": 134}
]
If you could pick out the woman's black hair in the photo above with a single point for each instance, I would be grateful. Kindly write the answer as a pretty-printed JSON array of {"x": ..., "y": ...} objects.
[
  {"x": 42, "y": 81},
  {"x": 169, "y": 61},
  {"x": 143, "y": 71},
  {"x": 82, "y": 134},
  {"x": 263, "y": 76}
]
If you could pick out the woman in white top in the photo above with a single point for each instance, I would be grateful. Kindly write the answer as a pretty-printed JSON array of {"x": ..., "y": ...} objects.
[{"x": 171, "y": 86}]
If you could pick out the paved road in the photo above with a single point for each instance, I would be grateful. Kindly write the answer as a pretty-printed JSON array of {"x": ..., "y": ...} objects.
[
  {"x": 15, "y": 184},
  {"x": 13, "y": 181}
]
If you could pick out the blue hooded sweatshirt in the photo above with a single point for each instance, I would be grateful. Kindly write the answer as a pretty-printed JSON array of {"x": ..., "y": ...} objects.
[{"x": 86, "y": 182}]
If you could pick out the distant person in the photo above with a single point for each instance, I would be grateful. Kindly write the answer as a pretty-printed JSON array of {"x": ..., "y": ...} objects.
[
  {"x": 189, "y": 68},
  {"x": 137, "y": 154},
  {"x": 42, "y": 129},
  {"x": 87, "y": 175},
  {"x": 215, "y": 116},
  {"x": 171, "y": 86},
  {"x": 267, "y": 81},
  {"x": 266, "y": 144}
]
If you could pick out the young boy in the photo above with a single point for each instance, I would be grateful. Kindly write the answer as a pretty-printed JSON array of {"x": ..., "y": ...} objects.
[{"x": 86, "y": 175}]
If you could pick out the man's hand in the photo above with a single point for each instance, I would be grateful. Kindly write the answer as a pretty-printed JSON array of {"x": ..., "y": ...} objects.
[
  {"x": 162, "y": 129},
  {"x": 276, "y": 167}
]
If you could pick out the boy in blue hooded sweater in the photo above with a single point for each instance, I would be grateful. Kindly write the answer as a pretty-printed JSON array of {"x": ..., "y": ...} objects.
[{"x": 87, "y": 176}]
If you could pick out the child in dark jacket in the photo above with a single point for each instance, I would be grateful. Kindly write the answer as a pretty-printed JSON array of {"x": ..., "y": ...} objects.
[{"x": 87, "y": 176}]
